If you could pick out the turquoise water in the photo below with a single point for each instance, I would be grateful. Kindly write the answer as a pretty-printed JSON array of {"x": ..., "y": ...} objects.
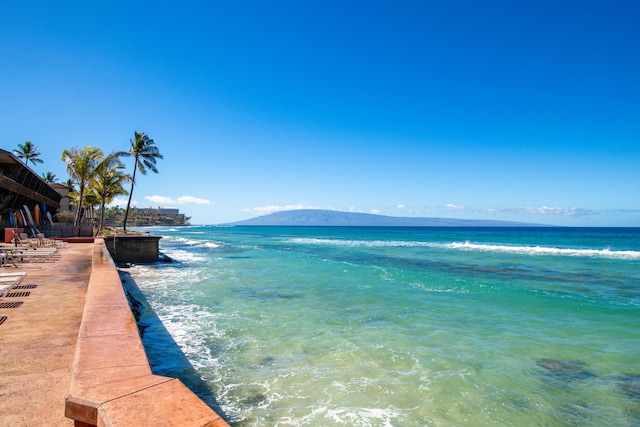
[{"x": 401, "y": 326}]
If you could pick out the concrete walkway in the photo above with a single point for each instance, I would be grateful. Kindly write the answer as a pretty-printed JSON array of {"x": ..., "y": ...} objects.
[{"x": 38, "y": 338}]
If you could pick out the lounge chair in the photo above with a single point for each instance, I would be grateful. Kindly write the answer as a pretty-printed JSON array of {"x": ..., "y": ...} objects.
[
  {"x": 6, "y": 256},
  {"x": 23, "y": 239},
  {"x": 32, "y": 254},
  {"x": 43, "y": 242},
  {"x": 10, "y": 280}
]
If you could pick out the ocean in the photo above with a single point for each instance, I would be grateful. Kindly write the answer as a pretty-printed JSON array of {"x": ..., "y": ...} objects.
[{"x": 359, "y": 326}]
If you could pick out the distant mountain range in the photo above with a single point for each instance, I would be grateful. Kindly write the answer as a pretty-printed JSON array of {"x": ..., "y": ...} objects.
[{"x": 326, "y": 218}]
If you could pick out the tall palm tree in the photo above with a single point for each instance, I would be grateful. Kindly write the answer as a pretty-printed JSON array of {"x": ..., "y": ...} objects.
[
  {"x": 107, "y": 183},
  {"x": 145, "y": 154},
  {"x": 49, "y": 178},
  {"x": 28, "y": 152},
  {"x": 81, "y": 166}
]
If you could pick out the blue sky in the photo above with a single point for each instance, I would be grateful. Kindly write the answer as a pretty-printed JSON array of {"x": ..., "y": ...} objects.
[{"x": 525, "y": 111}]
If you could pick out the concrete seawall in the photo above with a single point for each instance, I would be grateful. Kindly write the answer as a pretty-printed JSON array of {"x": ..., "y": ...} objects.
[
  {"x": 139, "y": 248},
  {"x": 111, "y": 380}
]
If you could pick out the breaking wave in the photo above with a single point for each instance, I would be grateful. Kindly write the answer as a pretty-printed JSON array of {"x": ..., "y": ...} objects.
[{"x": 605, "y": 253}]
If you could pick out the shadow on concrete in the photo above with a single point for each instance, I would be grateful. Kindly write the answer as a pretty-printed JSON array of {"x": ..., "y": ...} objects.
[{"x": 165, "y": 356}]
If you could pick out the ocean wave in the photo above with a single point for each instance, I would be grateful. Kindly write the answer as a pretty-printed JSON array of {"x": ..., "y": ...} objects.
[
  {"x": 211, "y": 245},
  {"x": 192, "y": 242},
  {"x": 361, "y": 243},
  {"x": 152, "y": 276},
  {"x": 184, "y": 255},
  {"x": 606, "y": 253},
  {"x": 186, "y": 241},
  {"x": 547, "y": 251}
]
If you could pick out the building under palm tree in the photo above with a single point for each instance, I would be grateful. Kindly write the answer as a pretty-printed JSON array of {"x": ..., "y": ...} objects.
[{"x": 63, "y": 190}]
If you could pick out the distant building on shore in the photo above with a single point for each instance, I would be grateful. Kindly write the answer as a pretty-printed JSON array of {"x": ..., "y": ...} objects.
[
  {"x": 146, "y": 216},
  {"x": 160, "y": 211}
]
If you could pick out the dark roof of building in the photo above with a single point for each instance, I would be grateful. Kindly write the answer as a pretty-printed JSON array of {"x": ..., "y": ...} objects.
[{"x": 20, "y": 185}]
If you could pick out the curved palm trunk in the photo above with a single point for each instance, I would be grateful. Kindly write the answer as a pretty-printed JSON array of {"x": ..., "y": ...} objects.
[
  {"x": 101, "y": 226},
  {"x": 133, "y": 182},
  {"x": 79, "y": 212}
]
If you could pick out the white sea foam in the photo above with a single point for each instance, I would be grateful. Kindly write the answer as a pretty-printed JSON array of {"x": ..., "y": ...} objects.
[
  {"x": 362, "y": 416},
  {"x": 192, "y": 242},
  {"x": 185, "y": 324},
  {"x": 153, "y": 276},
  {"x": 361, "y": 243},
  {"x": 190, "y": 326},
  {"x": 185, "y": 255},
  {"x": 174, "y": 238},
  {"x": 479, "y": 247},
  {"x": 185, "y": 241},
  {"x": 548, "y": 251}
]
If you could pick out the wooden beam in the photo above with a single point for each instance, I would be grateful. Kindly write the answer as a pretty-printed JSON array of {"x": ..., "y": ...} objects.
[{"x": 11, "y": 185}]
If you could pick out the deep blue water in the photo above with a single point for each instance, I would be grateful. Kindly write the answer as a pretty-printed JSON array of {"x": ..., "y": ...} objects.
[{"x": 316, "y": 326}]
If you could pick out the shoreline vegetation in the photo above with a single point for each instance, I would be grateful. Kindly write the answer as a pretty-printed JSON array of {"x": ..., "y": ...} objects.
[
  {"x": 114, "y": 217},
  {"x": 114, "y": 220}
]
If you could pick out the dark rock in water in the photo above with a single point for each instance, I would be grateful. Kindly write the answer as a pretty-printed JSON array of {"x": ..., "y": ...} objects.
[
  {"x": 164, "y": 258},
  {"x": 267, "y": 361},
  {"x": 630, "y": 384},
  {"x": 251, "y": 396},
  {"x": 565, "y": 370}
]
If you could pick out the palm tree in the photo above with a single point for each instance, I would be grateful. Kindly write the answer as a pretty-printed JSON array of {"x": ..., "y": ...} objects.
[
  {"x": 69, "y": 184},
  {"x": 145, "y": 154},
  {"x": 81, "y": 166},
  {"x": 49, "y": 178},
  {"x": 108, "y": 183},
  {"x": 89, "y": 201},
  {"x": 28, "y": 152}
]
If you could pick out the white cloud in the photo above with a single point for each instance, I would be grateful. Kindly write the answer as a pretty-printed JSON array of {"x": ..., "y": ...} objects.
[
  {"x": 452, "y": 207},
  {"x": 191, "y": 200},
  {"x": 354, "y": 209},
  {"x": 375, "y": 211},
  {"x": 159, "y": 200},
  {"x": 545, "y": 210},
  {"x": 182, "y": 200},
  {"x": 401, "y": 206},
  {"x": 121, "y": 202}
]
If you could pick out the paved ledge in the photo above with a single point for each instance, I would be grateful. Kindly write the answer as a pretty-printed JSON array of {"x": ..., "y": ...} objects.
[{"x": 111, "y": 382}]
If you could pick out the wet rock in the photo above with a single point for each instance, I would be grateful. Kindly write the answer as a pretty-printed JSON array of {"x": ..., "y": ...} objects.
[
  {"x": 630, "y": 384},
  {"x": 267, "y": 361},
  {"x": 164, "y": 258},
  {"x": 251, "y": 396},
  {"x": 564, "y": 370}
]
